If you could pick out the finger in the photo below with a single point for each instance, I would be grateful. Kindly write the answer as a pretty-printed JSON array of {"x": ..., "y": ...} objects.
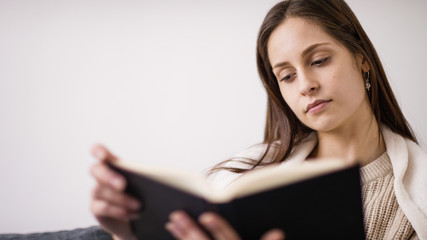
[
  {"x": 101, "y": 153},
  {"x": 174, "y": 230},
  {"x": 104, "y": 175},
  {"x": 102, "y": 209},
  {"x": 218, "y": 226},
  {"x": 183, "y": 227},
  {"x": 275, "y": 234},
  {"x": 106, "y": 193}
]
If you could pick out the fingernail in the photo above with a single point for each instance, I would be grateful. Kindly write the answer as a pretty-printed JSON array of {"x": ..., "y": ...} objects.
[
  {"x": 208, "y": 221},
  {"x": 179, "y": 219},
  {"x": 174, "y": 229},
  {"x": 169, "y": 226},
  {"x": 175, "y": 216}
]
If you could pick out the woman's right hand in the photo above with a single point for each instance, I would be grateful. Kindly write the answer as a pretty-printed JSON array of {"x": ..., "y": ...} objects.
[{"x": 110, "y": 205}]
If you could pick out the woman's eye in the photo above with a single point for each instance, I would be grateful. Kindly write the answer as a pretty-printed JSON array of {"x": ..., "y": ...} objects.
[
  {"x": 287, "y": 77},
  {"x": 320, "y": 62}
]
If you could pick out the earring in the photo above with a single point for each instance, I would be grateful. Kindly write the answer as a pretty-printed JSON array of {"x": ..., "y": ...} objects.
[{"x": 367, "y": 81}]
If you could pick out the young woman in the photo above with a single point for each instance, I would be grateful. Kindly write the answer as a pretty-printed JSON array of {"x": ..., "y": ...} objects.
[{"x": 328, "y": 96}]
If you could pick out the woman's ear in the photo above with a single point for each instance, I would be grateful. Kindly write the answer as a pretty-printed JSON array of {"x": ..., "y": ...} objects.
[{"x": 363, "y": 63}]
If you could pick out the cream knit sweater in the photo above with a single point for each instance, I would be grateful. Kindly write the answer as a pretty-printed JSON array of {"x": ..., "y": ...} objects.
[
  {"x": 394, "y": 185},
  {"x": 383, "y": 217}
]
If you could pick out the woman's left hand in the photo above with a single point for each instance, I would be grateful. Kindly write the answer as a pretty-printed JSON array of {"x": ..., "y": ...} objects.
[{"x": 182, "y": 226}]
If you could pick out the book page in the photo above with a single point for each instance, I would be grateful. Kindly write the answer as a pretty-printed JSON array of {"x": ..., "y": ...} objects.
[
  {"x": 258, "y": 180},
  {"x": 180, "y": 179},
  {"x": 274, "y": 176}
]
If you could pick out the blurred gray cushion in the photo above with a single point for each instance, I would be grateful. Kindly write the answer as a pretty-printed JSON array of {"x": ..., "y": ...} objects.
[{"x": 91, "y": 233}]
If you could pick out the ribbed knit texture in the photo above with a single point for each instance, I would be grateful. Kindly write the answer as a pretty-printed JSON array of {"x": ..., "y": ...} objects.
[{"x": 383, "y": 217}]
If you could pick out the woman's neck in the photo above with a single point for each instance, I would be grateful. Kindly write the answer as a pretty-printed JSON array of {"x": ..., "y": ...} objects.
[{"x": 360, "y": 142}]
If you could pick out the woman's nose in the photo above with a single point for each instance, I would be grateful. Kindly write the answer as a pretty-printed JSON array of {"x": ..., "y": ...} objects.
[{"x": 308, "y": 85}]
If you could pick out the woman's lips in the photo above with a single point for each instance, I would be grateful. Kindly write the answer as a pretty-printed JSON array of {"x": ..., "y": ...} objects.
[{"x": 317, "y": 106}]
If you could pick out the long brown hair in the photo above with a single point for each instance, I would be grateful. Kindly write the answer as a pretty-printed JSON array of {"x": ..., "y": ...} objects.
[{"x": 283, "y": 130}]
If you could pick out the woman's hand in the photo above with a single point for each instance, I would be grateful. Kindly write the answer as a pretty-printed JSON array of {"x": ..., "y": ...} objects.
[
  {"x": 111, "y": 206},
  {"x": 181, "y": 226}
]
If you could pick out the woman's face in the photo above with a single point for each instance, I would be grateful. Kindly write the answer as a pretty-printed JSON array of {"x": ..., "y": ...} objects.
[{"x": 319, "y": 78}]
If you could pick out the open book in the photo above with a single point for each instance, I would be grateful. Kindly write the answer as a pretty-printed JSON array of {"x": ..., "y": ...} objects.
[{"x": 317, "y": 199}]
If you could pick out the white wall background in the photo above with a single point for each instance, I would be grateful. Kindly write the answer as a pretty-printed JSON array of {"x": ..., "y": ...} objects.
[{"x": 159, "y": 82}]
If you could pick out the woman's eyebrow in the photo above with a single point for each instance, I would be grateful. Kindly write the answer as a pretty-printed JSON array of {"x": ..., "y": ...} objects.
[
  {"x": 312, "y": 47},
  {"x": 304, "y": 53}
]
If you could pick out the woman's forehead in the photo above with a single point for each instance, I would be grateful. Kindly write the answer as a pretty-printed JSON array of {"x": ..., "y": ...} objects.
[{"x": 294, "y": 36}]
